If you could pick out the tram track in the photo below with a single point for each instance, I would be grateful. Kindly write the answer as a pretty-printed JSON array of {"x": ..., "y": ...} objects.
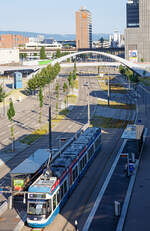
[{"x": 108, "y": 162}]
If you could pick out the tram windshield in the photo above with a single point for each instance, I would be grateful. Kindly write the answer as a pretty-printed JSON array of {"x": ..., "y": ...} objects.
[{"x": 37, "y": 208}]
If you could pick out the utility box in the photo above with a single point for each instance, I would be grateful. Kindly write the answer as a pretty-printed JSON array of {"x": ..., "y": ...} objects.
[{"x": 17, "y": 80}]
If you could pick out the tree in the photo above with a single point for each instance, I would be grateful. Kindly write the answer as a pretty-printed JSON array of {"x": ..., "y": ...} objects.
[
  {"x": 23, "y": 55},
  {"x": 58, "y": 53},
  {"x": 70, "y": 79},
  {"x": 32, "y": 84},
  {"x": 57, "y": 96},
  {"x": 75, "y": 68},
  {"x": 65, "y": 90},
  {"x": 122, "y": 69},
  {"x": 2, "y": 94},
  {"x": 42, "y": 53},
  {"x": 10, "y": 115},
  {"x": 41, "y": 103}
]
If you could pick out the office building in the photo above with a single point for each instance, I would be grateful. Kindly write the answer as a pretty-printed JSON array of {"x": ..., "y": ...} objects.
[
  {"x": 116, "y": 39},
  {"x": 83, "y": 29},
  {"x": 12, "y": 41},
  {"x": 9, "y": 55},
  {"x": 137, "y": 36}
]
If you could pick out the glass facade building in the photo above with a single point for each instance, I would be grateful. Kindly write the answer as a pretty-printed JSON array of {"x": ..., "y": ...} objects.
[
  {"x": 137, "y": 33},
  {"x": 132, "y": 14}
]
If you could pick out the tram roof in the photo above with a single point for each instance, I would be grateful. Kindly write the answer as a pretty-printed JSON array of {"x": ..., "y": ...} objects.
[
  {"x": 32, "y": 163},
  {"x": 48, "y": 183},
  {"x": 133, "y": 132}
]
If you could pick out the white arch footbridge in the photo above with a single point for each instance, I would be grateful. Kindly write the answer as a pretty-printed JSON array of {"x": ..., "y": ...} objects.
[{"x": 137, "y": 68}]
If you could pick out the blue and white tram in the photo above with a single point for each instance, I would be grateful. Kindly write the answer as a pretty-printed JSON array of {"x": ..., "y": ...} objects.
[{"x": 50, "y": 191}]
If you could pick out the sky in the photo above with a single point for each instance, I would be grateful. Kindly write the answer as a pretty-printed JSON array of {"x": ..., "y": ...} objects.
[{"x": 58, "y": 16}]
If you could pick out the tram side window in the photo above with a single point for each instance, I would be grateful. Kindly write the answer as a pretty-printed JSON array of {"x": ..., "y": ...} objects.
[
  {"x": 62, "y": 191},
  {"x": 74, "y": 173},
  {"x": 85, "y": 160},
  {"x": 49, "y": 206},
  {"x": 90, "y": 152},
  {"x": 82, "y": 164},
  {"x": 58, "y": 196},
  {"x": 54, "y": 202},
  {"x": 65, "y": 186}
]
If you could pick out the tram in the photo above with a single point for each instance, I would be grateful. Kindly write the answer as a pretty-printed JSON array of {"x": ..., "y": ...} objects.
[{"x": 50, "y": 191}]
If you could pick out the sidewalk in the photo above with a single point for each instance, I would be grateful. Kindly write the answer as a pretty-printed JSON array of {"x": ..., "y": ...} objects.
[{"x": 139, "y": 208}]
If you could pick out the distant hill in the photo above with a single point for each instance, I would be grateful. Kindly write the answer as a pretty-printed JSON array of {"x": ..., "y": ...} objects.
[{"x": 58, "y": 37}]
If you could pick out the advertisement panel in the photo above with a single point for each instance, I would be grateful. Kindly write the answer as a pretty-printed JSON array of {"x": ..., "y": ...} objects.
[
  {"x": 18, "y": 184},
  {"x": 133, "y": 55}
]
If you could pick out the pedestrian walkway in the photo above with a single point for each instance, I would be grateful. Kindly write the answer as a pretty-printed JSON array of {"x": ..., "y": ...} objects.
[{"x": 139, "y": 208}]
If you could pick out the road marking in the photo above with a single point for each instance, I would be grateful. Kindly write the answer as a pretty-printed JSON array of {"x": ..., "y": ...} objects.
[{"x": 102, "y": 191}]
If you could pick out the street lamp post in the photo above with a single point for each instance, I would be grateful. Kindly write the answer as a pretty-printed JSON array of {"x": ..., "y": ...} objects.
[
  {"x": 50, "y": 129},
  {"x": 3, "y": 99},
  {"x": 88, "y": 107},
  {"x": 108, "y": 91},
  {"x": 87, "y": 85}
]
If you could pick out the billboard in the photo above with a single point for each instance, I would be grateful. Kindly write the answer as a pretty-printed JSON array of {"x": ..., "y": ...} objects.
[{"x": 133, "y": 55}]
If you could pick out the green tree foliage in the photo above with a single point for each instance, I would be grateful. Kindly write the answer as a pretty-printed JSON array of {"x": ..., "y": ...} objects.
[
  {"x": 65, "y": 87},
  {"x": 10, "y": 115},
  {"x": 23, "y": 55},
  {"x": 45, "y": 76},
  {"x": 2, "y": 94},
  {"x": 70, "y": 79},
  {"x": 57, "y": 96},
  {"x": 128, "y": 73},
  {"x": 42, "y": 53},
  {"x": 75, "y": 68},
  {"x": 57, "y": 90},
  {"x": 11, "y": 111},
  {"x": 58, "y": 53},
  {"x": 122, "y": 69},
  {"x": 32, "y": 84},
  {"x": 65, "y": 90}
]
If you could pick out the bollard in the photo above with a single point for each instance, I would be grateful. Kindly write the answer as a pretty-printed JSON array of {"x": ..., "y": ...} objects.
[
  {"x": 10, "y": 198},
  {"x": 76, "y": 225},
  {"x": 133, "y": 157},
  {"x": 117, "y": 208}
]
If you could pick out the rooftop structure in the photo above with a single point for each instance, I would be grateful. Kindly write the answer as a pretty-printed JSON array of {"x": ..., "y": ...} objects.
[{"x": 48, "y": 181}]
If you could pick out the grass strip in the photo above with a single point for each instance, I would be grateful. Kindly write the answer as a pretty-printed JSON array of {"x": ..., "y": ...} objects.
[
  {"x": 43, "y": 130},
  {"x": 116, "y": 105},
  {"x": 103, "y": 122}
]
